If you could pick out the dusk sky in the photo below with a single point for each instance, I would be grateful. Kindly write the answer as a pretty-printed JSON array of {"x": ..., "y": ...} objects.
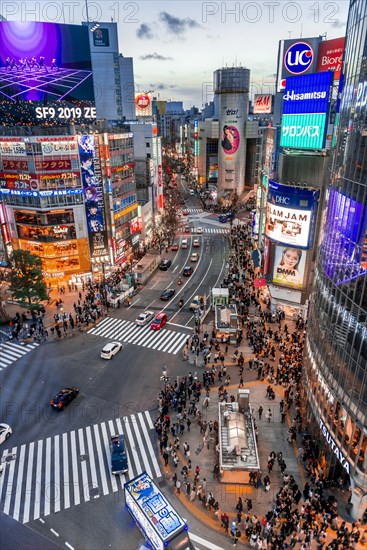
[{"x": 176, "y": 46}]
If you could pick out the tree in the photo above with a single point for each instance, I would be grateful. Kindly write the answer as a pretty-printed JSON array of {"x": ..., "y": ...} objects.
[{"x": 27, "y": 283}]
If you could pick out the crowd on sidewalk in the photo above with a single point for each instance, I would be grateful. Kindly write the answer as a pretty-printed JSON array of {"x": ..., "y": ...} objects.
[{"x": 301, "y": 516}]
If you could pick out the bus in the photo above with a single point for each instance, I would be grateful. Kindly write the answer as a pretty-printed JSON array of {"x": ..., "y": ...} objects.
[{"x": 160, "y": 524}]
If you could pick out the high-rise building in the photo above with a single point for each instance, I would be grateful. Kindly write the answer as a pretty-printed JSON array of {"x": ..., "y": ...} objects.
[
  {"x": 231, "y": 85},
  {"x": 336, "y": 342},
  {"x": 113, "y": 74}
]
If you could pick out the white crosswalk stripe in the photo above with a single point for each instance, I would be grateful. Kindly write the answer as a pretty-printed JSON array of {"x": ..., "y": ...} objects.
[
  {"x": 10, "y": 352},
  {"x": 43, "y": 477},
  {"x": 195, "y": 210},
  {"x": 169, "y": 341},
  {"x": 217, "y": 230}
]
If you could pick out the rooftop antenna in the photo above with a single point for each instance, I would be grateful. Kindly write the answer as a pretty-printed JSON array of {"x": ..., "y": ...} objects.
[
  {"x": 86, "y": 10},
  {"x": 301, "y": 29},
  {"x": 289, "y": 33}
]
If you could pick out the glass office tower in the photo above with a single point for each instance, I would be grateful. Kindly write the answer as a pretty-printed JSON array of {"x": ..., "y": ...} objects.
[{"x": 336, "y": 343}]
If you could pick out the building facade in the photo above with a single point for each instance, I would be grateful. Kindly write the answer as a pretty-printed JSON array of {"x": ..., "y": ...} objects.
[{"x": 336, "y": 343}]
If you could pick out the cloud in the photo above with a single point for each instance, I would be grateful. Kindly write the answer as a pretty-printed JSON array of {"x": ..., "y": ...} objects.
[
  {"x": 155, "y": 56},
  {"x": 176, "y": 25},
  {"x": 145, "y": 31},
  {"x": 338, "y": 24},
  {"x": 161, "y": 86}
]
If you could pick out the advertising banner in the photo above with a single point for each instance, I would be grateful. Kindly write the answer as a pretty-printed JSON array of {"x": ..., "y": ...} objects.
[
  {"x": 289, "y": 266},
  {"x": 262, "y": 104},
  {"x": 143, "y": 104},
  {"x": 14, "y": 149},
  {"x": 49, "y": 165},
  {"x": 18, "y": 181},
  {"x": 46, "y": 74},
  {"x": 307, "y": 94},
  {"x": 18, "y": 165},
  {"x": 291, "y": 214},
  {"x": 303, "y": 131},
  {"x": 330, "y": 56},
  {"x": 213, "y": 169},
  {"x": 296, "y": 57},
  {"x": 93, "y": 195}
]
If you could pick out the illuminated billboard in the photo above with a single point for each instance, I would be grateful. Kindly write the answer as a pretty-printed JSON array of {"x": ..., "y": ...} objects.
[
  {"x": 289, "y": 266},
  {"x": 101, "y": 38},
  {"x": 330, "y": 56},
  {"x": 296, "y": 57},
  {"x": 262, "y": 104},
  {"x": 93, "y": 195},
  {"x": 291, "y": 214},
  {"x": 303, "y": 131},
  {"x": 143, "y": 104},
  {"x": 307, "y": 94},
  {"x": 46, "y": 74}
]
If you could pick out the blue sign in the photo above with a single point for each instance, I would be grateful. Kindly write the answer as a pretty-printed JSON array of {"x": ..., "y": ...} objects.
[
  {"x": 307, "y": 94},
  {"x": 299, "y": 57},
  {"x": 53, "y": 193}
]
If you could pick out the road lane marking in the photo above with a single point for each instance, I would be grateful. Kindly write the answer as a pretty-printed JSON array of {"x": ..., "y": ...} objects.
[
  {"x": 47, "y": 505},
  {"x": 37, "y": 499},
  {"x": 75, "y": 468},
  {"x": 18, "y": 488},
  {"x": 27, "y": 496},
  {"x": 65, "y": 470}
]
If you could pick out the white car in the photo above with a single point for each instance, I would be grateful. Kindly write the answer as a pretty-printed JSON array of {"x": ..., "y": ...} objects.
[
  {"x": 199, "y": 230},
  {"x": 196, "y": 243},
  {"x": 144, "y": 318},
  {"x": 5, "y": 432},
  {"x": 110, "y": 350}
]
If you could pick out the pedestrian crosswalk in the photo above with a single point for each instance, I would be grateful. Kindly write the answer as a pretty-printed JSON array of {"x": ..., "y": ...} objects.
[
  {"x": 194, "y": 210},
  {"x": 218, "y": 230},
  {"x": 169, "y": 341},
  {"x": 10, "y": 352},
  {"x": 59, "y": 472}
]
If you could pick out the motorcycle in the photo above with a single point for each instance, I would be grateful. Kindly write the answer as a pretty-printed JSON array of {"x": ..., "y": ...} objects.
[{"x": 181, "y": 303}]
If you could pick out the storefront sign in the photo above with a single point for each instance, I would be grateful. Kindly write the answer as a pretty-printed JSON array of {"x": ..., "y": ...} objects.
[
  {"x": 46, "y": 165},
  {"x": 21, "y": 165},
  {"x": 334, "y": 447},
  {"x": 57, "y": 148},
  {"x": 13, "y": 149},
  {"x": 262, "y": 104}
]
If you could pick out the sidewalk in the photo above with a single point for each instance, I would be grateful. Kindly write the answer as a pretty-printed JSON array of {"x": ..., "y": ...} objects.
[{"x": 272, "y": 436}]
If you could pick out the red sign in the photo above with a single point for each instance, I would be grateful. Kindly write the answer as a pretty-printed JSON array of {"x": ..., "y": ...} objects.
[
  {"x": 52, "y": 165},
  {"x": 15, "y": 165},
  {"x": 262, "y": 103},
  {"x": 134, "y": 225},
  {"x": 330, "y": 56},
  {"x": 258, "y": 283},
  {"x": 28, "y": 182},
  {"x": 142, "y": 101}
]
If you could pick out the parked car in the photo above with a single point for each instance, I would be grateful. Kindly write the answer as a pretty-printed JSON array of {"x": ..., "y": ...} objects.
[
  {"x": 110, "y": 350},
  {"x": 164, "y": 265},
  {"x": 196, "y": 243},
  {"x": 167, "y": 294},
  {"x": 144, "y": 318},
  {"x": 194, "y": 257},
  {"x": 159, "y": 321},
  {"x": 64, "y": 397},
  {"x": 187, "y": 271},
  {"x": 5, "y": 432}
]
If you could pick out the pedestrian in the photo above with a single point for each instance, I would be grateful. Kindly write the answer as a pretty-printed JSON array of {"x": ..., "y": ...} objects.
[
  {"x": 283, "y": 414},
  {"x": 260, "y": 411},
  {"x": 240, "y": 385},
  {"x": 165, "y": 457},
  {"x": 249, "y": 504},
  {"x": 236, "y": 536},
  {"x": 268, "y": 415},
  {"x": 178, "y": 486},
  {"x": 239, "y": 505},
  {"x": 239, "y": 516}
]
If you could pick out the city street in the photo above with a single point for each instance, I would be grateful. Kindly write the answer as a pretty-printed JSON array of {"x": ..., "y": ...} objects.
[{"x": 56, "y": 475}]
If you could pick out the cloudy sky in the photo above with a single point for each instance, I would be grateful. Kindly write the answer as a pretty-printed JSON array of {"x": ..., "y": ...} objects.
[{"x": 177, "y": 45}]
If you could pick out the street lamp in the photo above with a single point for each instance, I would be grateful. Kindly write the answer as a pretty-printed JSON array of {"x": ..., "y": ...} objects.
[{"x": 165, "y": 379}]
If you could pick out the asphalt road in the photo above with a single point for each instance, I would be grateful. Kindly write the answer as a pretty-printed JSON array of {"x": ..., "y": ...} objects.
[{"x": 122, "y": 388}]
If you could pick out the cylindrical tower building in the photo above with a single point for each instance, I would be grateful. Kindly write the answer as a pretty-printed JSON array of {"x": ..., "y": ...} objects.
[
  {"x": 231, "y": 88},
  {"x": 336, "y": 342}
]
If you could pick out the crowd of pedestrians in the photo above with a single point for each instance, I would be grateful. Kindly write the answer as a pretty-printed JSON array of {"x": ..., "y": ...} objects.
[{"x": 301, "y": 517}]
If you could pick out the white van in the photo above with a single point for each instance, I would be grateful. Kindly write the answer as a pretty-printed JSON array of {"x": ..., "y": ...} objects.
[{"x": 184, "y": 243}]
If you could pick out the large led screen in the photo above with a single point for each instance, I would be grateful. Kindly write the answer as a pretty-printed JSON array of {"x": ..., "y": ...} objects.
[
  {"x": 291, "y": 214},
  {"x": 45, "y": 74},
  {"x": 308, "y": 93},
  {"x": 289, "y": 266},
  {"x": 345, "y": 230}
]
